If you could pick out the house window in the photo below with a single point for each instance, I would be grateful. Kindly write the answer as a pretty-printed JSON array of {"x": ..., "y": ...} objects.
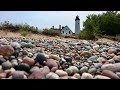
[
  {"x": 69, "y": 32},
  {"x": 63, "y": 32}
]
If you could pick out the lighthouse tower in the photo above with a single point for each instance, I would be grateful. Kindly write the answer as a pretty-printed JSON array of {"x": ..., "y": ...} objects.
[{"x": 77, "y": 25}]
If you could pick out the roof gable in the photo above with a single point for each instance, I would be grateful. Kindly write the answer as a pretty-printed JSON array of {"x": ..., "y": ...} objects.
[{"x": 68, "y": 28}]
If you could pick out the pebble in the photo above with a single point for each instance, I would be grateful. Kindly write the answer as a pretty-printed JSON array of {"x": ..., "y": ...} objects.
[
  {"x": 84, "y": 69},
  {"x": 72, "y": 70},
  {"x": 52, "y": 75},
  {"x": 18, "y": 75},
  {"x": 110, "y": 74},
  {"x": 51, "y": 63},
  {"x": 37, "y": 75},
  {"x": 28, "y": 61},
  {"x": 92, "y": 71},
  {"x": 40, "y": 58},
  {"x": 6, "y": 65},
  {"x": 35, "y": 68},
  {"x": 61, "y": 73},
  {"x": 86, "y": 76}
]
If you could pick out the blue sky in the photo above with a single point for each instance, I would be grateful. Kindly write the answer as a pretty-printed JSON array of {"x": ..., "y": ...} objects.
[{"x": 46, "y": 19}]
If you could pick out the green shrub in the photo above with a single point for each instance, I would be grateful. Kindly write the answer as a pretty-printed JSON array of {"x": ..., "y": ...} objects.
[
  {"x": 50, "y": 32},
  {"x": 118, "y": 37},
  {"x": 86, "y": 35},
  {"x": 24, "y": 33}
]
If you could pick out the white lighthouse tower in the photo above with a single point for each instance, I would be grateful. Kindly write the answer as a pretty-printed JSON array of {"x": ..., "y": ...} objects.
[{"x": 77, "y": 25}]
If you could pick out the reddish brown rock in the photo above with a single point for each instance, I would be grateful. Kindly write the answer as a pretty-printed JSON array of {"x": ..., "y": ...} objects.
[
  {"x": 112, "y": 50},
  {"x": 45, "y": 70},
  {"x": 113, "y": 67},
  {"x": 3, "y": 75},
  {"x": 6, "y": 50},
  {"x": 61, "y": 73},
  {"x": 54, "y": 69},
  {"x": 18, "y": 75},
  {"x": 37, "y": 75},
  {"x": 51, "y": 63},
  {"x": 28, "y": 61},
  {"x": 110, "y": 74},
  {"x": 55, "y": 57}
]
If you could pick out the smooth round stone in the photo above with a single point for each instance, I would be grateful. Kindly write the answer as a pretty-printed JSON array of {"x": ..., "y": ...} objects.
[
  {"x": 113, "y": 67},
  {"x": 35, "y": 68},
  {"x": 2, "y": 59},
  {"x": 93, "y": 58},
  {"x": 86, "y": 54},
  {"x": 110, "y": 74},
  {"x": 84, "y": 69},
  {"x": 72, "y": 70},
  {"x": 1, "y": 70},
  {"x": 37, "y": 75},
  {"x": 28, "y": 61},
  {"x": 76, "y": 75},
  {"x": 18, "y": 75},
  {"x": 110, "y": 51},
  {"x": 88, "y": 47},
  {"x": 96, "y": 47},
  {"x": 111, "y": 61},
  {"x": 97, "y": 65},
  {"x": 68, "y": 59},
  {"x": 6, "y": 50},
  {"x": 52, "y": 75},
  {"x": 3, "y": 41},
  {"x": 51, "y": 63},
  {"x": 3, "y": 75},
  {"x": 101, "y": 77},
  {"x": 86, "y": 76},
  {"x": 61, "y": 73},
  {"x": 45, "y": 70},
  {"x": 15, "y": 45},
  {"x": 92, "y": 71},
  {"x": 40, "y": 58},
  {"x": 23, "y": 67},
  {"x": 55, "y": 57},
  {"x": 14, "y": 63},
  {"x": 6, "y": 65},
  {"x": 53, "y": 69}
]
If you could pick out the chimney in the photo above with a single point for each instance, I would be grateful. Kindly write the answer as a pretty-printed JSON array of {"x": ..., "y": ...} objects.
[
  {"x": 52, "y": 27},
  {"x": 62, "y": 27},
  {"x": 59, "y": 26}
]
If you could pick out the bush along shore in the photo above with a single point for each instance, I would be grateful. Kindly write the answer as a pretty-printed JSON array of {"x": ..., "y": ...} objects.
[{"x": 25, "y": 58}]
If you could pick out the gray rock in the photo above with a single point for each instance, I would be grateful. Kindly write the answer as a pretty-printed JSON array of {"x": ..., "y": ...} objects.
[
  {"x": 84, "y": 69},
  {"x": 72, "y": 70},
  {"x": 92, "y": 71},
  {"x": 52, "y": 75},
  {"x": 6, "y": 65}
]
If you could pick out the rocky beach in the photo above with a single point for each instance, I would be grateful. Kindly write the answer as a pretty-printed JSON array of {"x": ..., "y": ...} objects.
[{"x": 46, "y": 58}]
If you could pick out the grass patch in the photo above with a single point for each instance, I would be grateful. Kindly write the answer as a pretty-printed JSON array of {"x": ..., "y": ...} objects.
[{"x": 24, "y": 33}]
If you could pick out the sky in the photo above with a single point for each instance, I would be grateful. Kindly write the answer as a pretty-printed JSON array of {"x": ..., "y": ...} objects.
[{"x": 46, "y": 19}]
